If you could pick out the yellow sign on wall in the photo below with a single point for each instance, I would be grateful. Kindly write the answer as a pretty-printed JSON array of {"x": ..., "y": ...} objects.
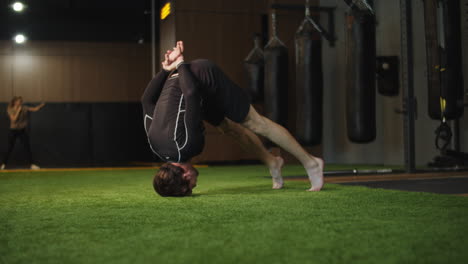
[{"x": 165, "y": 11}]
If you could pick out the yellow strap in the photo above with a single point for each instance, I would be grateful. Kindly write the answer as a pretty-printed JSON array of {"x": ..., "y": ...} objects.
[{"x": 443, "y": 105}]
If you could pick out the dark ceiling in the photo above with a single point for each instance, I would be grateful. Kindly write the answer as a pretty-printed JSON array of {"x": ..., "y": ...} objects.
[{"x": 78, "y": 20}]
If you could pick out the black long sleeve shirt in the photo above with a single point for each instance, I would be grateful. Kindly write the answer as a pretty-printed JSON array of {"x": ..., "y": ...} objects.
[{"x": 172, "y": 115}]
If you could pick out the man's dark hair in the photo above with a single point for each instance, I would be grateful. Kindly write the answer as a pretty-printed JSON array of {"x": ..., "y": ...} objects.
[{"x": 168, "y": 181}]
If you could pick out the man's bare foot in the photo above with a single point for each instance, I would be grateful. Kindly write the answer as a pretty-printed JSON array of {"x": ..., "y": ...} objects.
[
  {"x": 275, "y": 171},
  {"x": 315, "y": 174}
]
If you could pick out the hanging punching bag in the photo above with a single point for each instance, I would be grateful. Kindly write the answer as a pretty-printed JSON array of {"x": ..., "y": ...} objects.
[
  {"x": 361, "y": 67},
  {"x": 254, "y": 68},
  {"x": 452, "y": 89},
  {"x": 276, "y": 78},
  {"x": 309, "y": 82},
  {"x": 444, "y": 65}
]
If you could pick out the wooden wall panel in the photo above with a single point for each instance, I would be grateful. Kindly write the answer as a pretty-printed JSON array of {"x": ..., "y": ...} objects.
[
  {"x": 139, "y": 72},
  {"x": 6, "y": 91},
  {"x": 85, "y": 78},
  {"x": 223, "y": 37},
  {"x": 27, "y": 76},
  {"x": 56, "y": 79},
  {"x": 74, "y": 71},
  {"x": 224, "y": 6},
  {"x": 6, "y": 47},
  {"x": 167, "y": 37},
  {"x": 38, "y": 48},
  {"x": 113, "y": 78}
]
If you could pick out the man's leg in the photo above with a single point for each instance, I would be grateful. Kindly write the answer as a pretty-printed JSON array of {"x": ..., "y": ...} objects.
[
  {"x": 24, "y": 137},
  {"x": 11, "y": 143},
  {"x": 279, "y": 135},
  {"x": 250, "y": 142}
]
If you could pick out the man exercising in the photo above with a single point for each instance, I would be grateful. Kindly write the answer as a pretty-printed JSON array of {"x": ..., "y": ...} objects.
[{"x": 181, "y": 96}]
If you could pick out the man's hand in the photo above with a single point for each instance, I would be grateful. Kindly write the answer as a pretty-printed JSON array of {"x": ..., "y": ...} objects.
[
  {"x": 18, "y": 108},
  {"x": 176, "y": 51},
  {"x": 16, "y": 111},
  {"x": 173, "y": 57},
  {"x": 172, "y": 66},
  {"x": 36, "y": 108}
]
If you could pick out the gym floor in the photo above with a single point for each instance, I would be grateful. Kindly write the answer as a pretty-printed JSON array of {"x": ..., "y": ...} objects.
[
  {"x": 448, "y": 185},
  {"x": 112, "y": 215},
  {"x": 455, "y": 182}
]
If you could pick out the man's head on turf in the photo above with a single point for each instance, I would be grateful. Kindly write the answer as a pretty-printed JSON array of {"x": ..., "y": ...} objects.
[{"x": 175, "y": 179}]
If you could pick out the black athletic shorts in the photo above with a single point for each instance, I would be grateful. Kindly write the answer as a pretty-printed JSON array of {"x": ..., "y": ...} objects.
[{"x": 221, "y": 97}]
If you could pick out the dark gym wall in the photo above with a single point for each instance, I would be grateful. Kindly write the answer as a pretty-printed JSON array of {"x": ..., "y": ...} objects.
[{"x": 81, "y": 134}]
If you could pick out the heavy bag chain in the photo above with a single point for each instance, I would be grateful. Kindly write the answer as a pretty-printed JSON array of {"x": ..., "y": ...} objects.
[
  {"x": 444, "y": 136},
  {"x": 308, "y": 18},
  {"x": 443, "y": 132},
  {"x": 361, "y": 5}
]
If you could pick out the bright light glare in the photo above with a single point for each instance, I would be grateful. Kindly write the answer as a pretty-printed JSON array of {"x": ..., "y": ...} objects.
[
  {"x": 18, "y": 6},
  {"x": 20, "y": 39}
]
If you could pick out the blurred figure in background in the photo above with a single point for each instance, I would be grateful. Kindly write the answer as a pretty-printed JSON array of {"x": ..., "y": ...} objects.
[{"x": 18, "y": 114}]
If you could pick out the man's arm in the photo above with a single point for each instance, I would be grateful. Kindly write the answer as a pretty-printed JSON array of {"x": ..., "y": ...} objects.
[
  {"x": 13, "y": 115},
  {"x": 36, "y": 108},
  {"x": 190, "y": 90},
  {"x": 153, "y": 90}
]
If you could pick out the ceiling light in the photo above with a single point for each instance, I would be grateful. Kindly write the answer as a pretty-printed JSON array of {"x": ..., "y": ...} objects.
[
  {"x": 18, "y": 6},
  {"x": 20, "y": 39}
]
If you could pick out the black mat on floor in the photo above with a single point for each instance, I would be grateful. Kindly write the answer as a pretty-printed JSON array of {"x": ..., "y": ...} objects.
[{"x": 442, "y": 186}]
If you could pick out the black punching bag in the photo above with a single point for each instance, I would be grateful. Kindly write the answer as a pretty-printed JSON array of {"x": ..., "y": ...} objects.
[
  {"x": 276, "y": 79},
  {"x": 309, "y": 83},
  {"x": 254, "y": 68},
  {"x": 360, "y": 76},
  {"x": 443, "y": 53}
]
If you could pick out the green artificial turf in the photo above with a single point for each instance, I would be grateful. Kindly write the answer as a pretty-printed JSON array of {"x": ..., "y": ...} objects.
[{"x": 233, "y": 217}]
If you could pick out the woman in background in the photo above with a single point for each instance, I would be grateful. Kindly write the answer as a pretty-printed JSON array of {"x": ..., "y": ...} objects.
[{"x": 18, "y": 114}]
